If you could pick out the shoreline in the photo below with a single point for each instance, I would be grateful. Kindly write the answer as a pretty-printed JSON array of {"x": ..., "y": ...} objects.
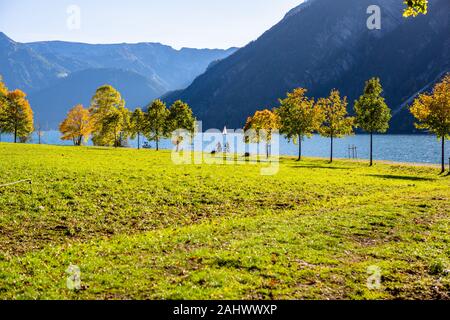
[{"x": 282, "y": 156}]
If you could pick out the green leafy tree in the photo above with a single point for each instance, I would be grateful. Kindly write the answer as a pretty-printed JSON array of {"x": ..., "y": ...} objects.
[
  {"x": 299, "y": 117},
  {"x": 336, "y": 123},
  {"x": 261, "y": 126},
  {"x": 110, "y": 118},
  {"x": 118, "y": 122},
  {"x": 180, "y": 118},
  {"x": 372, "y": 113},
  {"x": 156, "y": 120},
  {"x": 16, "y": 116},
  {"x": 432, "y": 112},
  {"x": 138, "y": 125}
]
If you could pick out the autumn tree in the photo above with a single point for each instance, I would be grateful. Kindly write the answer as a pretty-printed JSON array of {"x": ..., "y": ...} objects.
[
  {"x": 16, "y": 115},
  {"x": 137, "y": 125},
  {"x": 110, "y": 118},
  {"x": 180, "y": 118},
  {"x": 77, "y": 127},
  {"x": 336, "y": 123},
  {"x": 415, "y": 7},
  {"x": 261, "y": 126},
  {"x": 3, "y": 101},
  {"x": 3, "y": 88},
  {"x": 372, "y": 113},
  {"x": 432, "y": 112},
  {"x": 156, "y": 118},
  {"x": 299, "y": 117}
]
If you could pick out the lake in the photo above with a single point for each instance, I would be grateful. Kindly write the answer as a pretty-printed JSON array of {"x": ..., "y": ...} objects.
[{"x": 399, "y": 148}]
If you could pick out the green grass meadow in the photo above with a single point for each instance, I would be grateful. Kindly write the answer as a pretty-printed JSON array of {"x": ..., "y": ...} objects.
[{"x": 140, "y": 227}]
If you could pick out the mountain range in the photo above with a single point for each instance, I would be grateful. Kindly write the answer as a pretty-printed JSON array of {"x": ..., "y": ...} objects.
[
  {"x": 326, "y": 44},
  {"x": 57, "y": 75},
  {"x": 319, "y": 45}
]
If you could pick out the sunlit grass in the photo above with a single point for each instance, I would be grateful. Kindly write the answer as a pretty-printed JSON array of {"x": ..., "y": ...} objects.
[{"x": 139, "y": 226}]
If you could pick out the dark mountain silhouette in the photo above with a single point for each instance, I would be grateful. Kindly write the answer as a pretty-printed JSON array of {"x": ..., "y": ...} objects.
[{"x": 321, "y": 45}]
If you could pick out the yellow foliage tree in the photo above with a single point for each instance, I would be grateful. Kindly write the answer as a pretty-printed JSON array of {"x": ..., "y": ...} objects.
[
  {"x": 110, "y": 118},
  {"x": 16, "y": 116},
  {"x": 3, "y": 101},
  {"x": 415, "y": 7},
  {"x": 3, "y": 88},
  {"x": 77, "y": 126},
  {"x": 432, "y": 112},
  {"x": 261, "y": 127},
  {"x": 336, "y": 123},
  {"x": 299, "y": 117}
]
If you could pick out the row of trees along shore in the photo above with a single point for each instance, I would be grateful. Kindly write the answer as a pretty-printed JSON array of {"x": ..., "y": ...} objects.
[
  {"x": 299, "y": 117},
  {"x": 109, "y": 123}
]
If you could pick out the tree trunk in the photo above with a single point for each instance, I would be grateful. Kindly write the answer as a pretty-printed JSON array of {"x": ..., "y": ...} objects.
[
  {"x": 331, "y": 151},
  {"x": 299, "y": 148},
  {"x": 15, "y": 135},
  {"x": 443, "y": 154},
  {"x": 371, "y": 149},
  {"x": 139, "y": 141},
  {"x": 157, "y": 144}
]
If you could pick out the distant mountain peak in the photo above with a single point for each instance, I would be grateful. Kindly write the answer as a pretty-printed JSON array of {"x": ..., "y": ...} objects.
[{"x": 5, "y": 39}]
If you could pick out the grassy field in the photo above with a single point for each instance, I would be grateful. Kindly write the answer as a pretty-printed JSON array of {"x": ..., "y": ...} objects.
[{"x": 140, "y": 227}]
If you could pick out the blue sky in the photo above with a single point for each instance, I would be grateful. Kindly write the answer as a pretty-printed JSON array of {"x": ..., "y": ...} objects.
[{"x": 179, "y": 23}]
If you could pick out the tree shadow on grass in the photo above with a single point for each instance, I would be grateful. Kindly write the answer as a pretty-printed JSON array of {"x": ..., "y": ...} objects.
[
  {"x": 108, "y": 148},
  {"x": 320, "y": 167},
  {"x": 396, "y": 177}
]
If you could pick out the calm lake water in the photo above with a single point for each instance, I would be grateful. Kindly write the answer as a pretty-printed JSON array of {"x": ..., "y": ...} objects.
[{"x": 399, "y": 148}]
